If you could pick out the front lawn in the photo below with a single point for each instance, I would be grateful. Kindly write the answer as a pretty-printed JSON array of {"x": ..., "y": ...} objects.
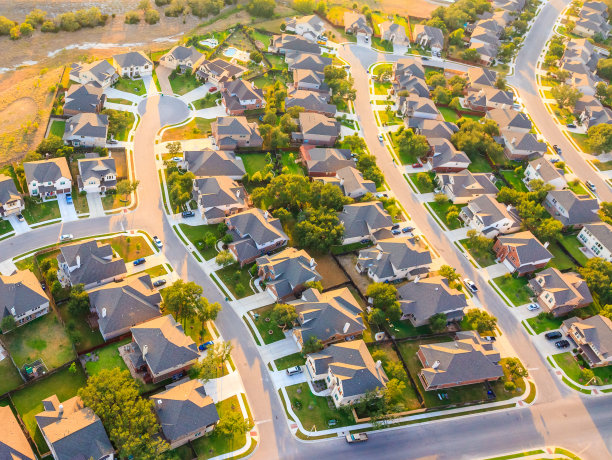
[
  {"x": 514, "y": 180},
  {"x": 206, "y": 102},
  {"x": 401, "y": 329},
  {"x": 108, "y": 358},
  {"x": 265, "y": 325},
  {"x": 121, "y": 134},
  {"x": 234, "y": 276},
  {"x": 516, "y": 289},
  {"x": 9, "y": 376},
  {"x": 288, "y": 161},
  {"x": 544, "y": 322},
  {"x": 573, "y": 246},
  {"x": 57, "y": 128},
  {"x": 572, "y": 368},
  {"x": 43, "y": 338},
  {"x": 129, "y": 248},
  {"x": 382, "y": 45},
  {"x": 114, "y": 201},
  {"x": 577, "y": 187},
  {"x": 82, "y": 335},
  {"x": 581, "y": 140},
  {"x": 441, "y": 209},
  {"x": 5, "y": 227},
  {"x": 198, "y": 128},
  {"x": 195, "y": 234},
  {"x": 382, "y": 68},
  {"x": 420, "y": 187},
  {"x": 193, "y": 328},
  {"x": 35, "y": 212},
  {"x": 131, "y": 86},
  {"x": 314, "y": 411},
  {"x": 561, "y": 261},
  {"x": 388, "y": 117},
  {"x": 483, "y": 258},
  {"x": 295, "y": 359},
  {"x": 80, "y": 201},
  {"x": 382, "y": 88},
  {"x": 182, "y": 84}
]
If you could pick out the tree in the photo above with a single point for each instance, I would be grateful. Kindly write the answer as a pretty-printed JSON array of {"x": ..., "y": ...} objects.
[
  {"x": 605, "y": 211},
  {"x": 314, "y": 285},
  {"x": 500, "y": 83},
  {"x": 377, "y": 316},
  {"x": 455, "y": 103},
  {"x": 78, "y": 301},
  {"x": 233, "y": 423},
  {"x": 207, "y": 312},
  {"x": 366, "y": 164},
  {"x": 604, "y": 68},
  {"x": 318, "y": 229},
  {"x": 132, "y": 17},
  {"x": 126, "y": 187},
  {"x": 26, "y": 29},
  {"x": 261, "y": 8},
  {"x": 382, "y": 295},
  {"x": 481, "y": 320},
  {"x": 118, "y": 121},
  {"x": 565, "y": 95},
  {"x": 151, "y": 16},
  {"x": 598, "y": 274},
  {"x": 411, "y": 145},
  {"x": 304, "y": 6},
  {"x": 452, "y": 215},
  {"x": 224, "y": 258},
  {"x": 394, "y": 391},
  {"x": 321, "y": 8},
  {"x": 437, "y": 322},
  {"x": 449, "y": 273},
  {"x": 586, "y": 375},
  {"x": 470, "y": 55},
  {"x": 283, "y": 314},
  {"x": 312, "y": 345},
  {"x": 441, "y": 95},
  {"x": 211, "y": 366},
  {"x": 425, "y": 181},
  {"x": 435, "y": 79},
  {"x": 549, "y": 229},
  {"x": 183, "y": 299},
  {"x": 129, "y": 419},
  {"x": 209, "y": 239},
  {"x": 6, "y": 25},
  {"x": 456, "y": 37},
  {"x": 256, "y": 57},
  {"x": 50, "y": 145},
  {"x": 180, "y": 187},
  {"x": 515, "y": 368},
  {"x": 73, "y": 369},
  {"x": 8, "y": 323},
  {"x": 174, "y": 148},
  {"x": 478, "y": 243},
  {"x": 599, "y": 138}
]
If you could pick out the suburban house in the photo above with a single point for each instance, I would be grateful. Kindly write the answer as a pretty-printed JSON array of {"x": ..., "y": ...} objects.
[
  {"x": 407, "y": 67},
  {"x": 593, "y": 336},
  {"x": 218, "y": 71},
  {"x": 432, "y": 129},
  {"x": 417, "y": 107},
  {"x": 185, "y": 412},
  {"x": 296, "y": 60},
  {"x": 310, "y": 101},
  {"x": 591, "y": 112},
  {"x": 560, "y": 293},
  {"x": 90, "y": 263},
  {"x": 316, "y": 129},
  {"x": 467, "y": 360},
  {"x": 489, "y": 217},
  {"x": 351, "y": 182},
  {"x": 133, "y": 64},
  {"x": 424, "y": 298},
  {"x": 97, "y": 175},
  {"x": 409, "y": 84},
  {"x": 101, "y": 73},
  {"x": 429, "y": 37},
  {"x": 11, "y": 201},
  {"x": 13, "y": 443},
  {"x": 593, "y": 20},
  {"x": 160, "y": 350},
  {"x": 348, "y": 370},
  {"x": 570, "y": 209},
  {"x": 510, "y": 119},
  {"x": 310, "y": 27},
  {"x": 88, "y": 98},
  {"x": 310, "y": 80},
  {"x": 235, "y": 132},
  {"x": 365, "y": 221},
  {"x": 321, "y": 162},
  {"x": 597, "y": 238},
  {"x": 287, "y": 272},
  {"x": 488, "y": 97},
  {"x": 464, "y": 186},
  {"x": 286, "y": 43},
  {"x": 255, "y": 233},
  {"x": 239, "y": 96},
  {"x": 331, "y": 316},
  {"x": 522, "y": 252},
  {"x": 22, "y": 297},
  {"x": 48, "y": 178},
  {"x": 486, "y": 51},
  {"x": 73, "y": 431},
  {"x": 480, "y": 78},
  {"x": 120, "y": 306},
  {"x": 393, "y": 32},
  {"x": 209, "y": 162},
  {"x": 394, "y": 258},
  {"x": 182, "y": 57},
  {"x": 86, "y": 130},
  {"x": 445, "y": 158},
  {"x": 357, "y": 24},
  {"x": 547, "y": 172},
  {"x": 521, "y": 145},
  {"x": 217, "y": 197}
]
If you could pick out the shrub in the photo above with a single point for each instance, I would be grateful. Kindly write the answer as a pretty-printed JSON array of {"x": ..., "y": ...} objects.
[{"x": 132, "y": 17}]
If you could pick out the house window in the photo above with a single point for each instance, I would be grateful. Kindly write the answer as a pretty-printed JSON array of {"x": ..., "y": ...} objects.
[{"x": 336, "y": 396}]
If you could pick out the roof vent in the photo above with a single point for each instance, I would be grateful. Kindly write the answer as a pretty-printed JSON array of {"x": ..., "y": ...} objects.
[
  {"x": 60, "y": 409},
  {"x": 104, "y": 312},
  {"x": 346, "y": 327},
  {"x": 435, "y": 365},
  {"x": 13, "y": 312},
  {"x": 145, "y": 349}
]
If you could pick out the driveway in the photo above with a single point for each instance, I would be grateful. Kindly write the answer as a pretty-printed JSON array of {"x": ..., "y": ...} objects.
[
  {"x": 112, "y": 93},
  {"x": 276, "y": 350},
  {"x": 67, "y": 210},
  {"x": 198, "y": 93},
  {"x": 123, "y": 107},
  {"x": 163, "y": 74},
  {"x": 282, "y": 379},
  {"x": 94, "y": 200},
  {"x": 19, "y": 227},
  {"x": 224, "y": 387},
  {"x": 262, "y": 299},
  {"x": 211, "y": 112},
  {"x": 150, "y": 85}
]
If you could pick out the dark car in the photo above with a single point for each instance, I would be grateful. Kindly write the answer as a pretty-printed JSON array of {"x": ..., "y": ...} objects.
[
  {"x": 396, "y": 232},
  {"x": 365, "y": 241},
  {"x": 557, "y": 149},
  {"x": 188, "y": 214},
  {"x": 43, "y": 285},
  {"x": 205, "y": 345},
  {"x": 395, "y": 226},
  {"x": 139, "y": 261},
  {"x": 407, "y": 229},
  {"x": 571, "y": 125},
  {"x": 562, "y": 344},
  {"x": 553, "y": 335},
  {"x": 159, "y": 283}
]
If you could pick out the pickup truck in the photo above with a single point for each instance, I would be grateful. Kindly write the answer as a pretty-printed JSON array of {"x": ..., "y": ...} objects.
[{"x": 357, "y": 437}]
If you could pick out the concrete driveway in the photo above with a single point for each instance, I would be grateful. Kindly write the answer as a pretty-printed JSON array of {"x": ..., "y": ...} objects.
[
  {"x": 282, "y": 379},
  {"x": 67, "y": 210},
  {"x": 278, "y": 349},
  {"x": 112, "y": 93},
  {"x": 94, "y": 200},
  {"x": 163, "y": 74}
]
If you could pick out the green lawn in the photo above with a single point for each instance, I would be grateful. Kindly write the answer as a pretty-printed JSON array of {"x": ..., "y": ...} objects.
[
  {"x": 119, "y": 101},
  {"x": 5, "y": 227},
  {"x": 122, "y": 134},
  {"x": 401, "y": 329},
  {"x": 80, "y": 201},
  {"x": 196, "y": 129},
  {"x": 195, "y": 234},
  {"x": 577, "y": 187},
  {"x": 292, "y": 166},
  {"x": 388, "y": 118},
  {"x": 479, "y": 164},
  {"x": 442, "y": 208},
  {"x": 420, "y": 188},
  {"x": 253, "y": 162},
  {"x": 573, "y": 246},
  {"x": 581, "y": 140},
  {"x": 182, "y": 84},
  {"x": 572, "y": 368},
  {"x": 83, "y": 336},
  {"x": 514, "y": 180},
  {"x": 545, "y": 323},
  {"x": 129, "y": 247},
  {"x": 516, "y": 289},
  {"x": 381, "y": 68},
  {"x": 131, "y": 86},
  {"x": 64, "y": 384},
  {"x": 381, "y": 87},
  {"x": 382, "y": 45},
  {"x": 209, "y": 101},
  {"x": 108, "y": 358},
  {"x": 295, "y": 359},
  {"x": 114, "y": 201},
  {"x": 561, "y": 260},
  {"x": 43, "y": 338},
  {"x": 263, "y": 38},
  {"x": 35, "y": 212},
  {"x": 57, "y": 128},
  {"x": 9, "y": 376},
  {"x": 233, "y": 275},
  {"x": 193, "y": 328},
  {"x": 313, "y": 411},
  {"x": 449, "y": 114},
  {"x": 277, "y": 61},
  {"x": 265, "y": 325},
  {"x": 484, "y": 259}
]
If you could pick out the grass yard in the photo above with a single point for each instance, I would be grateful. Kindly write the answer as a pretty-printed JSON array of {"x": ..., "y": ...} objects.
[
  {"x": 573, "y": 246},
  {"x": 43, "y": 338},
  {"x": 289, "y": 162},
  {"x": 544, "y": 323},
  {"x": 423, "y": 188},
  {"x": 313, "y": 411},
  {"x": 335, "y": 15},
  {"x": 209, "y": 101},
  {"x": 484, "y": 259},
  {"x": 382, "y": 45},
  {"x": 77, "y": 326},
  {"x": 277, "y": 61},
  {"x": 9, "y": 376},
  {"x": 119, "y": 101},
  {"x": 35, "y": 212},
  {"x": 479, "y": 164},
  {"x": 195, "y": 234},
  {"x": 514, "y": 180},
  {"x": 441, "y": 209},
  {"x": 197, "y": 128},
  {"x": 449, "y": 114},
  {"x": 382, "y": 68},
  {"x": 603, "y": 166},
  {"x": 295, "y": 359},
  {"x": 253, "y": 162},
  {"x": 561, "y": 260},
  {"x": 516, "y": 289},
  {"x": 28, "y": 401},
  {"x": 193, "y": 328},
  {"x": 121, "y": 164},
  {"x": 233, "y": 276},
  {"x": 108, "y": 358},
  {"x": 122, "y": 134},
  {"x": 182, "y": 84},
  {"x": 388, "y": 117},
  {"x": 581, "y": 140},
  {"x": 382, "y": 87},
  {"x": 577, "y": 187},
  {"x": 80, "y": 201},
  {"x": 265, "y": 39},
  {"x": 5, "y": 227},
  {"x": 131, "y": 86},
  {"x": 126, "y": 247},
  {"x": 572, "y": 368},
  {"x": 264, "y": 325},
  {"x": 114, "y": 201},
  {"x": 57, "y": 128},
  {"x": 401, "y": 329}
]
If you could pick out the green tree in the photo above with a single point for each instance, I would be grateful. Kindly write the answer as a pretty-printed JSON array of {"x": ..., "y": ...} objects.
[
  {"x": 151, "y": 16},
  {"x": 549, "y": 229},
  {"x": 183, "y": 299},
  {"x": 174, "y": 148},
  {"x": 481, "y": 320},
  {"x": 211, "y": 366},
  {"x": 209, "y": 239},
  {"x": 604, "y": 68},
  {"x": 411, "y": 145},
  {"x": 312, "y": 345},
  {"x": 366, "y": 164},
  {"x": 261, "y": 8},
  {"x": 599, "y": 138},
  {"x": 78, "y": 301},
  {"x": 8, "y": 323},
  {"x": 449, "y": 273},
  {"x": 6, "y": 25},
  {"x": 586, "y": 375},
  {"x": 598, "y": 274},
  {"x": 283, "y": 314},
  {"x": 382, "y": 295},
  {"x": 224, "y": 258},
  {"x": 132, "y": 17},
  {"x": 441, "y": 95},
  {"x": 456, "y": 37},
  {"x": 435, "y": 79},
  {"x": 394, "y": 392},
  {"x": 314, "y": 285},
  {"x": 126, "y": 187},
  {"x": 605, "y": 211},
  {"x": 470, "y": 55},
  {"x": 437, "y": 322},
  {"x": 50, "y": 145},
  {"x": 440, "y": 198},
  {"x": 180, "y": 187},
  {"x": 304, "y": 6},
  {"x": 233, "y": 423},
  {"x": 425, "y": 181},
  {"x": 318, "y": 229},
  {"x": 565, "y": 95}
]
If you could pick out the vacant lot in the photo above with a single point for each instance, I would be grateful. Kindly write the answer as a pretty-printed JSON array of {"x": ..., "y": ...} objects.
[
  {"x": 330, "y": 271},
  {"x": 197, "y": 128}
]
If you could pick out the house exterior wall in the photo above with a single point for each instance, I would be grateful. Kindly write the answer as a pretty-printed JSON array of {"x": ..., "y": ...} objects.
[
  {"x": 95, "y": 185},
  {"x": 61, "y": 185},
  {"x": 204, "y": 431},
  {"x": 531, "y": 174},
  {"x": 12, "y": 207},
  {"x": 589, "y": 241},
  {"x": 86, "y": 141},
  {"x": 509, "y": 256},
  {"x": 580, "y": 340},
  {"x": 35, "y": 312},
  {"x": 134, "y": 71},
  {"x": 169, "y": 373}
]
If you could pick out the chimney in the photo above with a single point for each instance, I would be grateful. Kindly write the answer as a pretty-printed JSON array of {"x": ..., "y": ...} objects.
[
  {"x": 238, "y": 193},
  {"x": 159, "y": 402},
  {"x": 266, "y": 215},
  {"x": 145, "y": 349},
  {"x": 417, "y": 278},
  {"x": 312, "y": 262},
  {"x": 60, "y": 410},
  {"x": 78, "y": 261},
  {"x": 13, "y": 311},
  {"x": 379, "y": 256},
  {"x": 435, "y": 365},
  {"x": 341, "y": 181},
  {"x": 104, "y": 312},
  {"x": 346, "y": 328},
  {"x": 509, "y": 207},
  {"x": 546, "y": 244},
  {"x": 538, "y": 167},
  {"x": 513, "y": 141},
  {"x": 379, "y": 364}
]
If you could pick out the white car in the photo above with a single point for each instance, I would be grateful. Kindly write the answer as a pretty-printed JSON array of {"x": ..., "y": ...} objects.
[
  {"x": 66, "y": 237},
  {"x": 380, "y": 137},
  {"x": 158, "y": 242},
  {"x": 533, "y": 307},
  {"x": 470, "y": 284},
  {"x": 177, "y": 159}
]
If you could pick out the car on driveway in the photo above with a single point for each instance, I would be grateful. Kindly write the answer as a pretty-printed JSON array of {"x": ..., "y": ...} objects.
[
  {"x": 571, "y": 125},
  {"x": 396, "y": 232},
  {"x": 188, "y": 214},
  {"x": 557, "y": 149},
  {"x": 66, "y": 237},
  {"x": 554, "y": 335},
  {"x": 139, "y": 261},
  {"x": 562, "y": 344},
  {"x": 533, "y": 307},
  {"x": 407, "y": 229},
  {"x": 112, "y": 141},
  {"x": 205, "y": 345},
  {"x": 294, "y": 370},
  {"x": 470, "y": 284},
  {"x": 159, "y": 282},
  {"x": 488, "y": 338},
  {"x": 158, "y": 242},
  {"x": 68, "y": 198},
  {"x": 212, "y": 89},
  {"x": 20, "y": 217},
  {"x": 177, "y": 159},
  {"x": 417, "y": 165}
]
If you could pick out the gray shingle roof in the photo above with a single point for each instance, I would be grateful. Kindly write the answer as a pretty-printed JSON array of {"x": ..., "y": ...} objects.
[
  {"x": 352, "y": 182},
  {"x": 291, "y": 268},
  {"x": 528, "y": 247},
  {"x": 479, "y": 77},
  {"x": 20, "y": 291},
  {"x": 309, "y": 61},
  {"x": 509, "y": 118},
  {"x": 356, "y": 22},
  {"x": 182, "y": 53},
  {"x": 324, "y": 160},
  {"x": 546, "y": 169},
  {"x": 429, "y": 297},
  {"x": 581, "y": 209},
  {"x": 209, "y": 162},
  {"x": 489, "y": 210},
  {"x": 83, "y": 98},
  {"x": 392, "y": 255},
  {"x": 362, "y": 219},
  {"x": 466, "y": 184},
  {"x": 238, "y": 90},
  {"x": 253, "y": 224},
  {"x": 295, "y": 43},
  {"x": 101, "y": 70},
  {"x": 96, "y": 167},
  {"x": 432, "y": 129},
  {"x": 8, "y": 189},
  {"x": 435, "y": 35},
  {"x": 88, "y": 125},
  {"x": 132, "y": 59},
  {"x": 95, "y": 263},
  {"x": 603, "y": 232},
  {"x": 446, "y": 155},
  {"x": 568, "y": 289},
  {"x": 408, "y": 67},
  {"x": 524, "y": 141},
  {"x": 318, "y": 124},
  {"x": 218, "y": 191},
  {"x": 311, "y": 101},
  {"x": 597, "y": 331},
  {"x": 46, "y": 170}
]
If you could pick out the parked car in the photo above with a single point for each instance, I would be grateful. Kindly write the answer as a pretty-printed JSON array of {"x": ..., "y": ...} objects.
[
  {"x": 571, "y": 125},
  {"x": 177, "y": 159},
  {"x": 417, "y": 165},
  {"x": 562, "y": 344},
  {"x": 66, "y": 237},
  {"x": 365, "y": 241},
  {"x": 533, "y": 307},
  {"x": 554, "y": 335},
  {"x": 212, "y": 89},
  {"x": 489, "y": 338},
  {"x": 68, "y": 198},
  {"x": 557, "y": 149},
  {"x": 470, "y": 284},
  {"x": 158, "y": 242},
  {"x": 407, "y": 229},
  {"x": 357, "y": 437},
  {"x": 591, "y": 185},
  {"x": 20, "y": 217},
  {"x": 395, "y": 226},
  {"x": 43, "y": 285},
  {"x": 294, "y": 370},
  {"x": 112, "y": 141},
  {"x": 424, "y": 58},
  {"x": 380, "y": 137},
  {"x": 188, "y": 214},
  {"x": 139, "y": 261},
  {"x": 159, "y": 282},
  {"x": 205, "y": 345},
  {"x": 396, "y": 232}
]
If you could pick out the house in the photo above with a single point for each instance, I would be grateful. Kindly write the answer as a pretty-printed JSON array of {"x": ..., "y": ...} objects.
[
  {"x": 182, "y": 57},
  {"x": 316, "y": 129},
  {"x": 410, "y": 84},
  {"x": 465, "y": 361},
  {"x": 284, "y": 43},
  {"x": 160, "y": 350},
  {"x": 73, "y": 431},
  {"x": 234, "y": 132},
  {"x": 424, "y": 298},
  {"x": 464, "y": 186},
  {"x": 86, "y": 130},
  {"x": 310, "y": 80},
  {"x": 88, "y": 98},
  {"x": 310, "y": 101},
  {"x": 90, "y": 263},
  {"x": 544, "y": 170},
  {"x": 418, "y": 107},
  {"x": 217, "y": 197},
  {"x": 560, "y": 293},
  {"x": 351, "y": 182},
  {"x": 133, "y": 64},
  {"x": 522, "y": 252},
  {"x": 322, "y": 162},
  {"x": 485, "y": 36},
  {"x": 348, "y": 370},
  {"x": 393, "y": 32},
  {"x": 407, "y": 67},
  {"x": 239, "y": 96},
  {"x": 521, "y": 145},
  {"x": 22, "y": 297},
  {"x": 218, "y": 72},
  {"x": 489, "y": 97},
  {"x": 489, "y": 217},
  {"x": 100, "y": 72},
  {"x": 445, "y": 158},
  {"x": 432, "y": 129},
  {"x": 13, "y": 443},
  {"x": 597, "y": 238},
  {"x": 255, "y": 233},
  {"x": 97, "y": 175},
  {"x": 570, "y": 209},
  {"x": 310, "y": 27},
  {"x": 591, "y": 112},
  {"x": 185, "y": 412},
  {"x": 486, "y": 51},
  {"x": 11, "y": 201},
  {"x": 287, "y": 272},
  {"x": 48, "y": 178},
  {"x": 593, "y": 336},
  {"x": 331, "y": 316},
  {"x": 393, "y": 259},
  {"x": 479, "y": 78},
  {"x": 209, "y": 162},
  {"x": 583, "y": 51},
  {"x": 429, "y": 37},
  {"x": 306, "y": 61},
  {"x": 510, "y": 119},
  {"x": 357, "y": 24},
  {"x": 365, "y": 221},
  {"x": 120, "y": 306},
  {"x": 593, "y": 20}
]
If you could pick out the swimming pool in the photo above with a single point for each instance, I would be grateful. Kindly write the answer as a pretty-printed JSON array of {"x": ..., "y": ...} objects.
[
  {"x": 230, "y": 52},
  {"x": 210, "y": 42}
]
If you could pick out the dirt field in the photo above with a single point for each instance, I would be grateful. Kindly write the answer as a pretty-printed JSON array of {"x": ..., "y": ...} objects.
[{"x": 416, "y": 8}]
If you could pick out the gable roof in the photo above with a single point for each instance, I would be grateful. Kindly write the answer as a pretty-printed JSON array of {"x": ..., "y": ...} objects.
[
  {"x": 182, "y": 53},
  {"x": 479, "y": 77},
  {"x": 132, "y": 59},
  {"x": 445, "y": 153},
  {"x": 524, "y": 141},
  {"x": 489, "y": 210},
  {"x": 101, "y": 70},
  {"x": 325, "y": 160},
  {"x": 432, "y": 129},
  {"x": 597, "y": 331},
  {"x": 96, "y": 262},
  {"x": 295, "y": 43},
  {"x": 8, "y": 189},
  {"x": 356, "y": 22},
  {"x": 309, "y": 61},
  {"x": 546, "y": 169},
  {"x": 434, "y": 35},
  {"x": 509, "y": 118},
  {"x": 238, "y": 90},
  {"x": 318, "y": 124},
  {"x": 581, "y": 209},
  {"x": 603, "y": 232},
  {"x": 408, "y": 66},
  {"x": 466, "y": 184},
  {"x": 21, "y": 291},
  {"x": 218, "y": 191},
  {"x": 87, "y": 125},
  {"x": 428, "y": 297},
  {"x": 96, "y": 167},
  {"x": 13, "y": 443},
  {"x": 392, "y": 255},
  {"x": 260, "y": 226},
  {"x": 362, "y": 219},
  {"x": 291, "y": 268},
  {"x": 209, "y": 162},
  {"x": 222, "y": 70},
  {"x": 83, "y": 98},
  {"x": 568, "y": 289},
  {"x": 352, "y": 181},
  {"x": 46, "y": 170},
  {"x": 310, "y": 101},
  {"x": 528, "y": 247}
]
